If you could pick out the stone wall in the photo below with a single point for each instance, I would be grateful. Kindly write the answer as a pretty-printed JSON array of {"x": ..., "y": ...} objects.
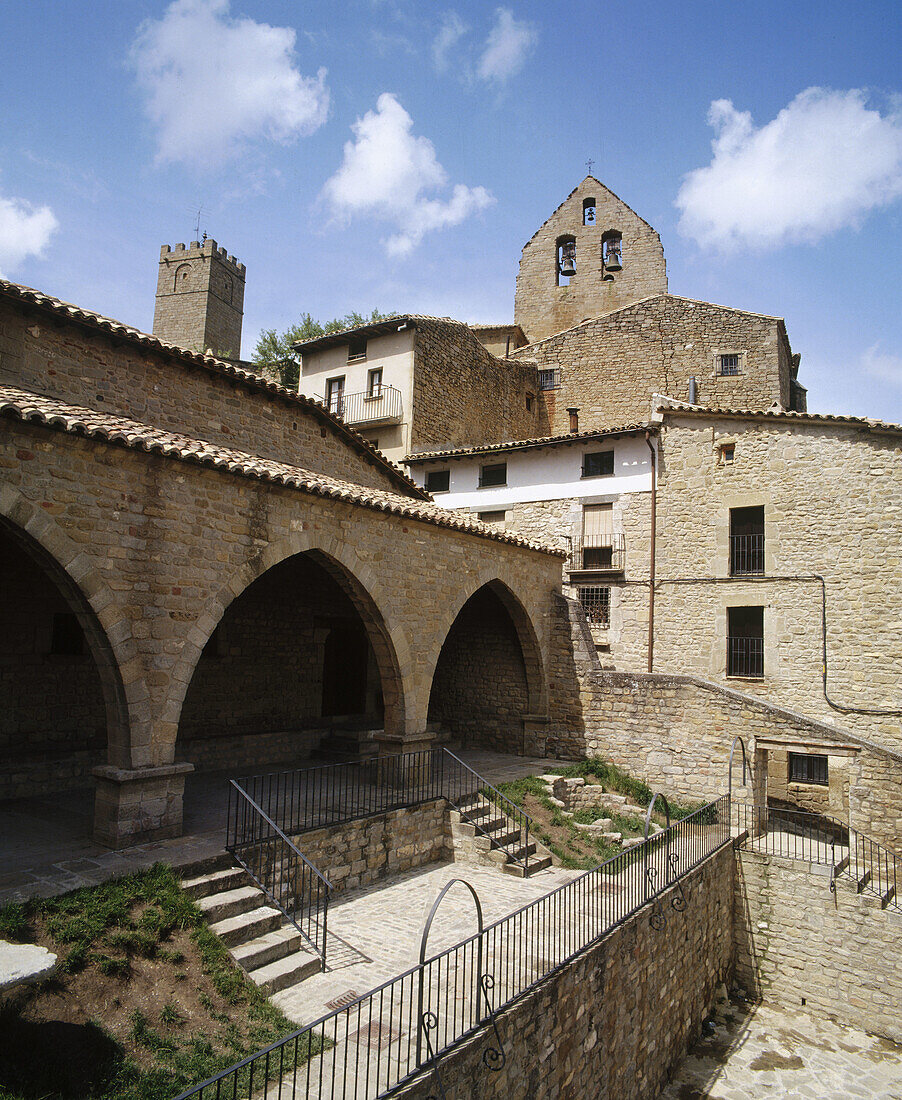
[
  {"x": 611, "y": 366},
  {"x": 803, "y": 947},
  {"x": 463, "y": 395},
  {"x": 822, "y": 487},
  {"x": 92, "y": 369},
  {"x": 542, "y": 307},
  {"x": 200, "y": 299},
  {"x": 361, "y": 852},
  {"x": 617, "y": 1021}
]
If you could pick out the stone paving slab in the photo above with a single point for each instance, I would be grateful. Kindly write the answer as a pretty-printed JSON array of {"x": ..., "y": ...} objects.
[{"x": 757, "y": 1051}]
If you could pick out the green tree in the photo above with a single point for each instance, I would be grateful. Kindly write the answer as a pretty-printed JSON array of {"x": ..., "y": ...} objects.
[{"x": 276, "y": 357}]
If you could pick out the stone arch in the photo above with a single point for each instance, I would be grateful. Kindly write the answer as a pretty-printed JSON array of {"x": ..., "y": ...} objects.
[
  {"x": 64, "y": 563},
  {"x": 358, "y": 582}
]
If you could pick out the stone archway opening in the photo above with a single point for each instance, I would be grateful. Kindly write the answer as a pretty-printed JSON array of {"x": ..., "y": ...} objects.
[
  {"x": 488, "y": 677},
  {"x": 298, "y": 668},
  {"x": 63, "y": 709}
]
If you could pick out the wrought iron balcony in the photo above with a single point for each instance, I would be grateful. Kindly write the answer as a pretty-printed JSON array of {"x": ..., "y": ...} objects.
[
  {"x": 597, "y": 554},
  {"x": 381, "y": 406},
  {"x": 746, "y": 554}
]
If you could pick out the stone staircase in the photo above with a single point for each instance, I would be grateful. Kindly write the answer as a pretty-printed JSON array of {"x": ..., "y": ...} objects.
[
  {"x": 482, "y": 833},
  {"x": 267, "y": 947}
]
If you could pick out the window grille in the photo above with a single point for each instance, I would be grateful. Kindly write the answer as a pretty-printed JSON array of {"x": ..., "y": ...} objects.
[
  {"x": 550, "y": 379},
  {"x": 596, "y": 603},
  {"x": 745, "y": 642},
  {"x": 729, "y": 364},
  {"x": 805, "y": 768}
]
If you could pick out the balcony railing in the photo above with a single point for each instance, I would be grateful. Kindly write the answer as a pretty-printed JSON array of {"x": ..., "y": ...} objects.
[
  {"x": 381, "y": 406},
  {"x": 597, "y": 554},
  {"x": 746, "y": 554},
  {"x": 745, "y": 657}
]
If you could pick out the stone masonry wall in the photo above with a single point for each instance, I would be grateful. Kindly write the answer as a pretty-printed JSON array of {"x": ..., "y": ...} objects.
[
  {"x": 541, "y": 307},
  {"x": 616, "y": 1022},
  {"x": 611, "y": 366},
  {"x": 803, "y": 947},
  {"x": 361, "y": 852},
  {"x": 200, "y": 299},
  {"x": 464, "y": 395},
  {"x": 94, "y": 370},
  {"x": 830, "y": 494}
]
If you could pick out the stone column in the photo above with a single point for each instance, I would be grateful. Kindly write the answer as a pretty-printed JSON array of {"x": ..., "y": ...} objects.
[{"x": 132, "y": 805}]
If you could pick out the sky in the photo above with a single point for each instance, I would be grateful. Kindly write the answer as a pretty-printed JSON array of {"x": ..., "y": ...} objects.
[{"x": 397, "y": 154}]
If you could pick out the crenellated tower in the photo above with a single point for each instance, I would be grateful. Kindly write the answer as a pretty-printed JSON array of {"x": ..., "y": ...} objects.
[{"x": 200, "y": 299}]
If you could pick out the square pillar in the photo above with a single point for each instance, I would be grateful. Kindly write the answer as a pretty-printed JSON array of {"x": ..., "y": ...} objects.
[{"x": 133, "y": 805}]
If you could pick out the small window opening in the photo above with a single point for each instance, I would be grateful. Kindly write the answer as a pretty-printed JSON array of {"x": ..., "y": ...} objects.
[
  {"x": 374, "y": 382},
  {"x": 598, "y": 464},
  {"x": 728, "y": 365},
  {"x": 335, "y": 388},
  {"x": 492, "y": 517},
  {"x": 529, "y": 400},
  {"x": 588, "y": 212},
  {"x": 596, "y": 601},
  {"x": 808, "y": 768},
  {"x": 746, "y": 540},
  {"x": 356, "y": 349},
  {"x": 611, "y": 254},
  {"x": 745, "y": 642},
  {"x": 67, "y": 638},
  {"x": 565, "y": 260},
  {"x": 550, "y": 379},
  {"x": 181, "y": 277},
  {"x": 490, "y": 476},
  {"x": 726, "y": 452},
  {"x": 438, "y": 481}
]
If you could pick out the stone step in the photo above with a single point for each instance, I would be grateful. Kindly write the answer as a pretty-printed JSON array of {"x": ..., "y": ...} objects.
[
  {"x": 247, "y": 926},
  {"x": 229, "y": 903},
  {"x": 286, "y": 971},
  {"x": 216, "y": 882},
  {"x": 535, "y": 865},
  {"x": 267, "y": 948}
]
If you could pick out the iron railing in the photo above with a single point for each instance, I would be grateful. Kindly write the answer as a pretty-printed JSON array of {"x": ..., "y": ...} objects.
[
  {"x": 746, "y": 554},
  {"x": 745, "y": 657},
  {"x": 288, "y": 879},
  {"x": 387, "y": 1036},
  {"x": 382, "y": 405},
  {"x": 817, "y": 838},
  {"x": 597, "y": 553},
  {"x": 330, "y": 794}
]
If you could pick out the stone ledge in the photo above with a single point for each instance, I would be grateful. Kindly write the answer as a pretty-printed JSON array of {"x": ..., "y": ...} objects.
[{"x": 135, "y": 775}]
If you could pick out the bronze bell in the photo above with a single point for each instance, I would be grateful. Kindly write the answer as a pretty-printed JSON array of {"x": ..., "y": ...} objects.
[
  {"x": 568, "y": 259},
  {"x": 612, "y": 257}
]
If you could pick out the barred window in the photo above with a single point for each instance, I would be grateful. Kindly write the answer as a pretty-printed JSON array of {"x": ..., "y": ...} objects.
[
  {"x": 550, "y": 379},
  {"x": 729, "y": 364},
  {"x": 596, "y": 601},
  {"x": 805, "y": 768}
]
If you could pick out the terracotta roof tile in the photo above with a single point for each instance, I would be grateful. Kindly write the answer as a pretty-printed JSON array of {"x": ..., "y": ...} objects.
[
  {"x": 663, "y": 404},
  {"x": 527, "y": 444},
  {"x": 118, "y": 430}
]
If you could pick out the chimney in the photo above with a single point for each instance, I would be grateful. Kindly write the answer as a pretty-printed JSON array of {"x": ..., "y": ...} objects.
[{"x": 574, "y": 421}]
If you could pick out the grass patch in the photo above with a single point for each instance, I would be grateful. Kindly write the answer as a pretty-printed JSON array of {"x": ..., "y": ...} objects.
[{"x": 146, "y": 1001}]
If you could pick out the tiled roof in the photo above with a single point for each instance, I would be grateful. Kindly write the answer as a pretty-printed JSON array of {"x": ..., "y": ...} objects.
[
  {"x": 665, "y": 404},
  {"x": 210, "y": 363},
  {"x": 527, "y": 444},
  {"x": 120, "y": 431},
  {"x": 375, "y": 328}
]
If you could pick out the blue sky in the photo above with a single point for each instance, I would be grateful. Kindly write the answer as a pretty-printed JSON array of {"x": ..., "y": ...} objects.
[{"x": 397, "y": 154}]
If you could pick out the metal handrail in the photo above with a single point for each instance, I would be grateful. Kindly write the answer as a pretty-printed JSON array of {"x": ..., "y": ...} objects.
[
  {"x": 522, "y": 950},
  {"x": 381, "y": 403},
  {"x": 287, "y": 878},
  {"x": 605, "y": 553}
]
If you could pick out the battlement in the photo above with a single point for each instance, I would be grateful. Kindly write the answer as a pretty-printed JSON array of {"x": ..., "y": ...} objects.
[{"x": 198, "y": 249}]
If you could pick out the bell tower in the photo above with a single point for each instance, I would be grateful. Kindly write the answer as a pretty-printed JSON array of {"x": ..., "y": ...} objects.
[
  {"x": 200, "y": 299},
  {"x": 592, "y": 256}
]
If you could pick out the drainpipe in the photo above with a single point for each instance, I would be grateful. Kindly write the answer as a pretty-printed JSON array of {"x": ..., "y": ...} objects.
[{"x": 651, "y": 567}]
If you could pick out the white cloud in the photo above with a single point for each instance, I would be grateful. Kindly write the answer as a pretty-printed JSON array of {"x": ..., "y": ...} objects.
[
  {"x": 888, "y": 368},
  {"x": 24, "y": 231},
  {"x": 387, "y": 172},
  {"x": 507, "y": 47},
  {"x": 450, "y": 32},
  {"x": 214, "y": 82},
  {"x": 819, "y": 166}
]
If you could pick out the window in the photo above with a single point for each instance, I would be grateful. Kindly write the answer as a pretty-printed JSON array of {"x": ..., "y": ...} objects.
[
  {"x": 726, "y": 453},
  {"x": 67, "y": 639},
  {"x": 745, "y": 642},
  {"x": 493, "y": 475},
  {"x": 335, "y": 388},
  {"x": 438, "y": 481},
  {"x": 374, "y": 382},
  {"x": 550, "y": 379},
  {"x": 805, "y": 768},
  {"x": 356, "y": 349},
  {"x": 529, "y": 400},
  {"x": 598, "y": 537},
  {"x": 492, "y": 517},
  {"x": 746, "y": 540},
  {"x": 728, "y": 364},
  {"x": 588, "y": 211},
  {"x": 598, "y": 464},
  {"x": 596, "y": 603}
]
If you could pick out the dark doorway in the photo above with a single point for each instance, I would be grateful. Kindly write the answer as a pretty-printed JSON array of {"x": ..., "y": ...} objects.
[{"x": 346, "y": 663}]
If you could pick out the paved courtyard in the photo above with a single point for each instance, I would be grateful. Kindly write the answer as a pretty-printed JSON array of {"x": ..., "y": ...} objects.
[{"x": 757, "y": 1051}]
